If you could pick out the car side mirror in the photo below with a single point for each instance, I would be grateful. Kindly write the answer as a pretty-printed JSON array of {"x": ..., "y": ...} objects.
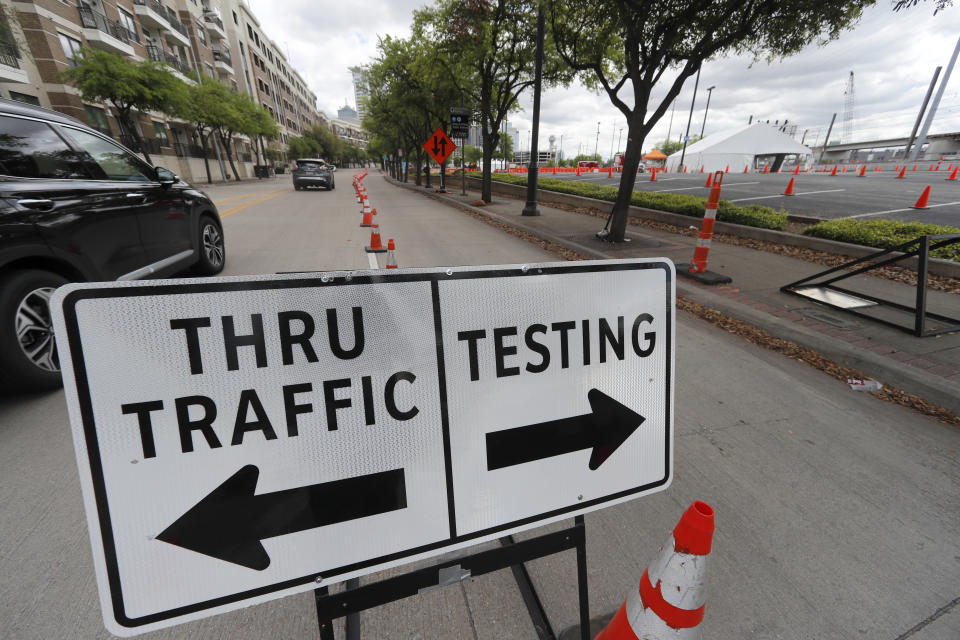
[
  {"x": 332, "y": 168},
  {"x": 166, "y": 177}
]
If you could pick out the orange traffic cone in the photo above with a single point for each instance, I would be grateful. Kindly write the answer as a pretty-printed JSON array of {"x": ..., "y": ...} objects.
[
  {"x": 844, "y": 170},
  {"x": 796, "y": 171},
  {"x": 709, "y": 180},
  {"x": 391, "y": 255},
  {"x": 931, "y": 168},
  {"x": 897, "y": 168},
  {"x": 789, "y": 191},
  {"x": 877, "y": 168},
  {"x": 834, "y": 172},
  {"x": 903, "y": 172},
  {"x": 653, "y": 175},
  {"x": 701, "y": 168},
  {"x": 746, "y": 168},
  {"x": 914, "y": 167},
  {"x": 766, "y": 168},
  {"x": 374, "y": 211},
  {"x": 670, "y": 600},
  {"x": 376, "y": 246},
  {"x": 863, "y": 172},
  {"x": 953, "y": 176},
  {"x": 921, "y": 202},
  {"x": 367, "y": 219},
  {"x": 727, "y": 170}
]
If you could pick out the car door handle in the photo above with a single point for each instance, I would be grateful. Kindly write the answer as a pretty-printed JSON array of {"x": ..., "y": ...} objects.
[
  {"x": 141, "y": 196},
  {"x": 41, "y": 204}
]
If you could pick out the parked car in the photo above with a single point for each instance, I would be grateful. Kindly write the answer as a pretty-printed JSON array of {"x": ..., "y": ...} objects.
[
  {"x": 313, "y": 172},
  {"x": 588, "y": 164},
  {"x": 77, "y": 206}
]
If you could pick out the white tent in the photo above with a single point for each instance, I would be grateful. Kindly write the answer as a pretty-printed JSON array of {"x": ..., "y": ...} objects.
[{"x": 737, "y": 148}]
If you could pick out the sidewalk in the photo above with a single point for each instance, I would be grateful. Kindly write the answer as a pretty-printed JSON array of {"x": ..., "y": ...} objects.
[{"x": 928, "y": 367}]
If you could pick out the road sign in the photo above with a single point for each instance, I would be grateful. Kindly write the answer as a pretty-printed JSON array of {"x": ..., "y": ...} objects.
[
  {"x": 439, "y": 146},
  {"x": 242, "y": 439},
  {"x": 459, "y": 123}
]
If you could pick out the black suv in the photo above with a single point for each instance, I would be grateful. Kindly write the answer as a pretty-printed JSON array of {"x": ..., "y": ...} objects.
[{"x": 77, "y": 206}]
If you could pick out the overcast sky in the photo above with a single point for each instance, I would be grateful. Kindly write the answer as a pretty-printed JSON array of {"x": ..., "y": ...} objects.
[{"x": 892, "y": 55}]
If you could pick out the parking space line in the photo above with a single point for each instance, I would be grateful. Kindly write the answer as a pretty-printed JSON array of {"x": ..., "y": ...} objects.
[
  {"x": 780, "y": 195},
  {"x": 880, "y": 213},
  {"x": 732, "y": 184}
]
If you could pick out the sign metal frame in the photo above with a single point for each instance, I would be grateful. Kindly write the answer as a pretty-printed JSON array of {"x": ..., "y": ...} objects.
[{"x": 92, "y": 478}]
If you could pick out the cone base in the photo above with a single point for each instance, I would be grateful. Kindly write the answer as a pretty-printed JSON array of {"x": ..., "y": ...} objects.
[
  {"x": 707, "y": 277},
  {"x": 366, "y": 225},
  {"x": 369, "y": 250}
]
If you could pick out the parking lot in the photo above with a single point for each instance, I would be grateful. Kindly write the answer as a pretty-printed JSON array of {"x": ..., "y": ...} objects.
[{"x": 877, "y": 195}]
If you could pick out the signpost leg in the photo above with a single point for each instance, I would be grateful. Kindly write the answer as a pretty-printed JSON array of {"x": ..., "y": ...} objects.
[
  {"x": 353, "y": 618},
  {"x": 463, "y": 169},
  {"x": 582, "y": 580},
  {"x": 326, "y": 624}
]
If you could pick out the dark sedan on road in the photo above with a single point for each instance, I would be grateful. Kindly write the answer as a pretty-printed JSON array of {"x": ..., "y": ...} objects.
[
  {"x": 77, "y": 206},
  {"x": 313, "y": 172}
]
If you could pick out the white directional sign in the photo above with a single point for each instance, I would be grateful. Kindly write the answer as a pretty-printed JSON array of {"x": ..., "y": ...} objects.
[{"x": 241, "y": 439}]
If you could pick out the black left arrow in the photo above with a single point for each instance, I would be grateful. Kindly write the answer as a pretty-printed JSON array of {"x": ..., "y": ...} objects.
[
  {"x": 230, "y": 521},
  {"x": 604, "y": 429},
  {"x": 436, "y": 149}
]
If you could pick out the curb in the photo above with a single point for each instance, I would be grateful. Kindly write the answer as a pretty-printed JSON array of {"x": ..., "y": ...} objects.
[
  {"x": 910, "y": 379},
  {"x": 937, "y": 266}
]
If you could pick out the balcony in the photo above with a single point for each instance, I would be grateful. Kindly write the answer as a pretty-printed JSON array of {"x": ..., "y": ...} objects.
[
  {"x": 154, "y": 14},
  {"x": 10, "y": 70},
  {"x": 181, "y": 68},
  {"x": 221, "y": 58},
  {"x": 104, "y": 33},
  {"x": 214, "y": 26}
]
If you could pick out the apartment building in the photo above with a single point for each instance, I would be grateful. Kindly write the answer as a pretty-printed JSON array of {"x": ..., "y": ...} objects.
[{"x": 217, "y": 38}]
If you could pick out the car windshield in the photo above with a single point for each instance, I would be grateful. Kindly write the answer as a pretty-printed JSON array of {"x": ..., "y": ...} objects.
[{"x": 310, "y": 165}]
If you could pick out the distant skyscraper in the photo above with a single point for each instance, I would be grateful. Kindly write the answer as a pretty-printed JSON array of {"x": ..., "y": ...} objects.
[
  {"x": 360, "y": 89},
  {"x": 347, "y": 113}
]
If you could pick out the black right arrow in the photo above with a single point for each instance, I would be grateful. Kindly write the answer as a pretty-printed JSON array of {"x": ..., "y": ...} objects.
[
  {"x": 604, "y": 429},
  {"x": 230, "y": 521}
]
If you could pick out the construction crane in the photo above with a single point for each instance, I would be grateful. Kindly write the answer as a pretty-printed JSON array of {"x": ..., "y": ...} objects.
[{"x": 848, "y": 104}]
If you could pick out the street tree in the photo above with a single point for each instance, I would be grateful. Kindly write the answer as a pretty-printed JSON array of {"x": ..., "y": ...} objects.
[
  {"x": 624, "y": 48},
  {"x": 102, "y": 76},
  {"x": 489, "y": 50},
  {"x": 198, "y": 106}
]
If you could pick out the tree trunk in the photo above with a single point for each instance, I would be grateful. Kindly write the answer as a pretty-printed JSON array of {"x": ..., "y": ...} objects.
[
  {"x": 206, "y": 160},
  {"x": 486, "y": 189},
  {"x": 227, "y": 140},
  {"x": 631, "y": 160},
  {"x": 133, "y": 133}
]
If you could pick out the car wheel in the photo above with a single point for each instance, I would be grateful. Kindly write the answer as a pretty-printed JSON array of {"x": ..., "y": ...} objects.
[
  {"x": 28, "y": 349},
  {"x": 297, "y": 187},
  {"x": 213, "y": 254}
]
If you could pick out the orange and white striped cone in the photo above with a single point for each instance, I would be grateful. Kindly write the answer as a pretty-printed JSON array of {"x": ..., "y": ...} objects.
[
  {"x": 376, "y": 245},
  {"x": 391, "y": 255},
  {"x": 671, "y": 598},
  {"x": 366, "y": 206},
  {"x": 698, "y": 265},
  {"x": 367, "y": 219}
]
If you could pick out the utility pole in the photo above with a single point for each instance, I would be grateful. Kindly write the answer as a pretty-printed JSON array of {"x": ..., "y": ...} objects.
[
  {"x": 530, "y": 209},
  {"x": 936, "y": 102},
  {"x": 612, "y": 131},
  {"x": 596, "y": 145},
  {"x": 619, "y": 139},
  {"x": 686, "y": 137},
  {"x": 670, "y": 128},
  {"x": 923, "y": 108},
  {"x": 823, "y": 149},
  {"x": 707, "y": 110}
]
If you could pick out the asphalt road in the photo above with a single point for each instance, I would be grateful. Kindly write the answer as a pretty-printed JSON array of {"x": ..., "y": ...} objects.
[
  {"x": 837, "y": 514},
  {"x": 878, "y": 195}
]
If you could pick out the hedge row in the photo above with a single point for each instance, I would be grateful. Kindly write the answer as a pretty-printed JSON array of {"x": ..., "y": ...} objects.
[
  {"x": 750, "y": 215},
  {"x": 883, "y": 234}
]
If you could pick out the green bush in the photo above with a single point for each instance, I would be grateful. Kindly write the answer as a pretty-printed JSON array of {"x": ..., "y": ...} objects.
[
  {"x": 750, "y": 215},
  {"x": 883, "y": 234}
]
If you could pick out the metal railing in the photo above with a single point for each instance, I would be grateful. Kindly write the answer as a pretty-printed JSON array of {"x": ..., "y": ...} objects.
[
  {"x": 222, "y": 55},
  {"x": 91, "y": 19},
  {"x": 158, "y": 55},
  {"x": 211, "y": 18},
  {"x": 166, "y": 13},
  {"x": 9, "y": 55},
  {"x": 185, "y": 150}
]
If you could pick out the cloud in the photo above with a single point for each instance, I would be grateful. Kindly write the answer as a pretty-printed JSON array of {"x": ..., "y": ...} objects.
[{"x": 892, "y": 55}]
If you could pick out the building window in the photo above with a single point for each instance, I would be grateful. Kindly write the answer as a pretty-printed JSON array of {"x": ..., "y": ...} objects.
[
  {"x": 235, "y": 17},
  {"x": 126, "y": 20},
  {"x": 161, "y": 133},
  {"x": 209, "y": 69},
  {"x": 22, "y": 97},
  {"x": 201, "y": 35},
  {"x": 250, "y": 31},
  {"x": 97, "y": 119},
  {"x": 71, "y": 48}
]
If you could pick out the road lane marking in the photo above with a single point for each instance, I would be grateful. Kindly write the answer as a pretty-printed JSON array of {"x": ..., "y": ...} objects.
[
  {"x": 880, "y": 213},
  {"x": 732, "y": 184},
  {"x": 372, "y": 261},
  {"x": 247, "y": 195},
  {"x": 244, "y": 205},
  {"x": 780, "y": 195}
]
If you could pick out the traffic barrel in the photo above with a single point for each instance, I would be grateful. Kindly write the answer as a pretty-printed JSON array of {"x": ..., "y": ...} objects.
[
  {"x": 376, "y": 246},
  {"x": 391, "y": 255},
  {"x": 921, "y": 202},
  {"x": 699, "y": 262},
  {"x": 671, "y": 599},
  {"x": 789, "y": 191}
]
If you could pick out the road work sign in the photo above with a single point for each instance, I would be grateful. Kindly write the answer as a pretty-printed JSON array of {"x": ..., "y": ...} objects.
[
  {"x": 439, "y": 146},
  {"x": 242, "y": 439}
]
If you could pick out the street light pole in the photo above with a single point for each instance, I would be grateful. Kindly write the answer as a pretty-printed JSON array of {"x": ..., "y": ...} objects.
[
  {"x": 619, "y": 139},
  {"x": 707, "y": 110},
  {"x": 686, "y": 136},
  {"x": 530, "y": 209},
  {"x": 596, "y": 145}
]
